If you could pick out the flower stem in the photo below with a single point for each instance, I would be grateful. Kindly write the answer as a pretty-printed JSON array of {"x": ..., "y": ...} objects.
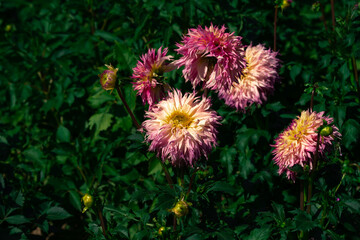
[
  {"x": 311, "y": 178},
  {"x": 137, "y": 125},
  {"x": 174, "y": 223},
  {"x": 102, "y": 223},
  {"x": 333, "y": 14},
  {"x": 301, "y": 195},
  {"x": 353, "y": 61},
  {"x": 275, "y": 20},
  {"x": 323, "y": 16},
  {"x": 312, "y": 99},
  {"x": 191, "y": 182},
  {"x": 167, "y": 175}
]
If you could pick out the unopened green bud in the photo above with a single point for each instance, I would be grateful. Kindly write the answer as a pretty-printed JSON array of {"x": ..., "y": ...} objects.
[
  {"x": 326, "y": 131},
  {"x": 181, "y": 208},
  {"x": 108, "y": 78},
  {"x": 88, "y": 201}
]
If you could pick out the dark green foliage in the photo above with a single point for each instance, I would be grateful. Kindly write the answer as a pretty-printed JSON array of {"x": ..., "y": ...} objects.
[{"x": 62, "y": 135}]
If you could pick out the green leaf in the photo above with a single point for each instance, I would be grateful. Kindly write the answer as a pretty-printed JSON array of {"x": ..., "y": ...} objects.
[
  {"x": 101, "y": 121},
  {"x": 227, "y": 157},
  {"x": 20, "y": 199},
  {"x": 222, "y": 187},
  {"x": 17, "y": 219},
  {"x": 295, "y": 71},
  {"x": 303, "y": 221},
  {"x": 351, "y": 133},
  {"x": 344, "y": 71},
  {"x": 63, "y": 134},
  {"x": 57, "y": 213},
  {"x": 260, "y": 233}
]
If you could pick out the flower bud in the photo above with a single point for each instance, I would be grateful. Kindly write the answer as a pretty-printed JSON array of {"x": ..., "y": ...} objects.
[
  {"x": 108, "y": 78},
  {"x": 161, "y": 231},
  {"x": 181, "y": 208},
  {"x": 326, "y": 131},
  {"x": 316, "y": 6},
  {"x": 88, "y": 201},
  {"x": 285, "y": 4}
]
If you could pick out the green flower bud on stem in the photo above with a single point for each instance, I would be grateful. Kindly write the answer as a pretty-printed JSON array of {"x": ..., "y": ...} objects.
[
  {"x": 88, "y": 201},
  {"x": 326, "y": 131},
  {"x": 181, "y": 208},
  {"x": 108, "y": 78}
]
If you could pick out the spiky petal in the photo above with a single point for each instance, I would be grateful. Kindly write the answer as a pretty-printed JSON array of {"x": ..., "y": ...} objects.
[
  {"x": 148, "y": 75},
  {"x": 181, "y": 128},
  {"x": 211, "y": 57},
  {"x": 297, "y": 144},
  {"x": 257, "y": 81}
]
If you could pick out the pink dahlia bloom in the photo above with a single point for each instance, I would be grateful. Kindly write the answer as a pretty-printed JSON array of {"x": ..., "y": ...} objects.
[
  {"x": 211, "y": 56},
  {"x": 257, "y": 81},
  {"x": 181, "y": 128},
  {"x": 297, "y": 144},
  {"x": 148, "y": 75}
]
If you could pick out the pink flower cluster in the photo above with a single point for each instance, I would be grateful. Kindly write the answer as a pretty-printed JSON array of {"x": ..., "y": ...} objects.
[
  {"x": 211, "y": 57},
  {"x": 148, "y": 73},
  {"x": 181, "y": 128},
  {"x": 296, "y": 145}
]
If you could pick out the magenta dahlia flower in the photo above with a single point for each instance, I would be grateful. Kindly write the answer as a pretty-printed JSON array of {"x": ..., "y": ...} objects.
[
  {"x": 211, "y": 56},
  {"x": 257, "y": 81},
  {"x": 297, "y": 144},
  {"x": 148, "y": 75},
  {"x": 181, "y": 128}
]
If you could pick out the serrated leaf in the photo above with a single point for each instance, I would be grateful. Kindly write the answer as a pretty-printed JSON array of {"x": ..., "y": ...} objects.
[
  {"x": 57, "y": 213},
  {"x": 101, "y": 121}
]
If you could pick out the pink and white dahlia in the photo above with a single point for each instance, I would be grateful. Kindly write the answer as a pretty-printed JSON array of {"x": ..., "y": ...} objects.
[
  {"x": 181, "y": 128},
  {"x": 297, "y": 144},
  {"x": 257, "y": 81},
  {"x": 148, "y": 75},
  {"x": 211, "y": 56}
]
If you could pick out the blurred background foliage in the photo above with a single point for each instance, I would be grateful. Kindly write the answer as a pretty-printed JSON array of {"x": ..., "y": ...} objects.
[{"x": 62, "y": 136}]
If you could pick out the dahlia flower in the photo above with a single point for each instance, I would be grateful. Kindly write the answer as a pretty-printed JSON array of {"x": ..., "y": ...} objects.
[
  {"x": 211, "y": 56},
  {"x": 257, "y": 81},
  {"x": 297, "y": 144},
  {"x": 148, "y": 75},
  {"x": 108, "y": 78},
  {"x": 181, "y": 128}
]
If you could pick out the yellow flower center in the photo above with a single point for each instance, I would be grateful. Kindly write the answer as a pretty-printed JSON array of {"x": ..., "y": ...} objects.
[{"x": 180, "y": 120}]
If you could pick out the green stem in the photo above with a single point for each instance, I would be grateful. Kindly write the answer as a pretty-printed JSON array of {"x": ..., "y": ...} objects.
[
  {"x": 191, "y": 182},
  {"x": 102, "y": 223},
  {"x": 301, "y": 195},
  {"x": 167, "y": 175},
  {"x": 333, "y": 14},
  {"x": 275, "y": 21},
  {"x": 312, "y": 174},
  {"x": 137, "y": 125}
]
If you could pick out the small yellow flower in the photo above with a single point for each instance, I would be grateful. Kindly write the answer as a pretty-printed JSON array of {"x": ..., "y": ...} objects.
[{"x": 88, "y": 201}]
